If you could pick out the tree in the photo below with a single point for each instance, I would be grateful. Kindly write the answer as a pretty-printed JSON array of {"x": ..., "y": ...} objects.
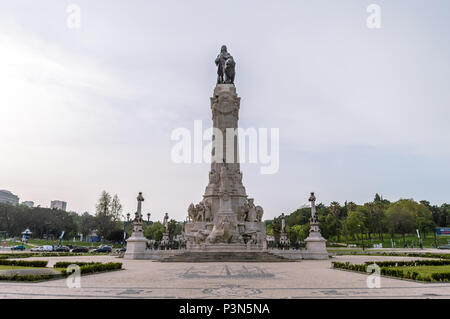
[
  {"x": 86, "y": 224},
  {"x": 335, "y": 209},
  {"x": 106, "y": 218},
  {"x": 401, "y": 217},
  {"x": 171, "y": 227},
  {"x": 116, "y": 209},
  {"x": 354, "y": 224},
  {"x": 154, "y": 231},
  {"x": 297, "y": 233},
  {"x": 331, "y": 227},
  {"x": 115, "y": 235}
]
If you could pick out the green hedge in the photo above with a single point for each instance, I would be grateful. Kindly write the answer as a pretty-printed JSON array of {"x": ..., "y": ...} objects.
[
  {"x": 94, "y": 267},
  {"x": 65, "y": 264},
  {"x": 405, "y": 254},
  {"x": 16, "y": 255},
  {"x": 349, "y": 266},
  {"x": 399, "y": 273},
  {"x": 46, "y": 254},
  {"x": 16, "y": 277},
  {"x": 410, "y": 263},
  {"x": 24, "y": 263},
  {"x": 443, "y": 276}
]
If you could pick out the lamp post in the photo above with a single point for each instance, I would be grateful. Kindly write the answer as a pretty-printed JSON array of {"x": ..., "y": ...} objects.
[
  {"x": 362, "y": 243},
  {"x": 125, "y": 223}
]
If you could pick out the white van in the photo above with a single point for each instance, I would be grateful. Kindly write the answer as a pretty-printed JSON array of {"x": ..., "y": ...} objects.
[{"x": 47, "y": 248}]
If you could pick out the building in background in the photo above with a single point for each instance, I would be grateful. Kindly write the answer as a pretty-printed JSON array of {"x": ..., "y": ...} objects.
[
  {"x": 8, "y": 197},
  {"x": 58, "y": 204},
  {"x": 28, "y": 203}
]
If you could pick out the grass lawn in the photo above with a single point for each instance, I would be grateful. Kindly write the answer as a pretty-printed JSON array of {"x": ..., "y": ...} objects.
[
  {"x": 425, "y": 271},
  {"x": 16, "y": 243},
  {"x": 411, "y": 240}
]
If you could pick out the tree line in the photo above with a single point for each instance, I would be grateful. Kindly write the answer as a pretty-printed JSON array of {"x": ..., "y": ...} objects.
[
  {"x": 370, "y": 221},
  {"x": 107, "y": 223}
]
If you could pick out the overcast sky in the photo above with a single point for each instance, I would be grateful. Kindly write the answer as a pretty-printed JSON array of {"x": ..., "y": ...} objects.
[{"x": 360, "y": 110}]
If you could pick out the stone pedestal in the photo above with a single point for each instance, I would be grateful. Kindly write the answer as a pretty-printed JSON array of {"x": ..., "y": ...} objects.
[
  {"x": 136, "y": 246},
  {"x": 137, "y": 243},
  {"x": 316, "y": 247},
  {"x": 165, "y": 240},
  {"x": 284, "y": 240}
]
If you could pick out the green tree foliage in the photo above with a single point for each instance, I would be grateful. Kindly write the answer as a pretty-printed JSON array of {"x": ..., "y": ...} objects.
[
  {"x": 154, "y": 231},
  {"x": 108, "y": 210},
  {"x": 172, "y": 227},
  {"x": 43, "y": 222},
  {"x": 86, "y": 224},
  {"x": 368, "y": 221},
  {"x": 405, "y": 215}
]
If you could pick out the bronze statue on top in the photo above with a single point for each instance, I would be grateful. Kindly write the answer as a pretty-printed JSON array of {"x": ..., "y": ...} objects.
[{"x": 225, "y": 67}]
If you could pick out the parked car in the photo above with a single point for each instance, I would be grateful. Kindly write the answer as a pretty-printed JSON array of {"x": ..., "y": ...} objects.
[
  {"x": 120, "y": 250},
  {"x": 47, "y": 248},
  {"x": 40, "y": 248},
  {"x": 103, "y": 249},
  {"x": 62, "y": 249},
  {"x": 18, "y": 247},
  {"x": 447, "y": 246},
  {"x": 80, "y": 249}
]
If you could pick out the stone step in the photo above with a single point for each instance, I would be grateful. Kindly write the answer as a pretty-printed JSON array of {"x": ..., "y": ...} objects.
[{"x": 190, "y": 256}]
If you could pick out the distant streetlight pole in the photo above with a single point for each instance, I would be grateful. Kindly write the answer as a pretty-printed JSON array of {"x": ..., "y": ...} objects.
[
  {"x": 125, "y": 223},
  {"x": 362, "y": 243}
]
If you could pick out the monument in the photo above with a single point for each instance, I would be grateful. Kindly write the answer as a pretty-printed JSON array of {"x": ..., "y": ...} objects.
[
  {"x": 137, "y": 243},
  {"x": 284, "y": 240},
  {"x": 225, "y": 219},
  {"x": 315, "y": 243},
  {"x": 165, "y": 238},
  {"x": 226, "y": 225}
]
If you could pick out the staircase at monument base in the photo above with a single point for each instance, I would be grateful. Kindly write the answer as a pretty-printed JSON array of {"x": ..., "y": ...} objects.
[{"x": 215, "y": 256}]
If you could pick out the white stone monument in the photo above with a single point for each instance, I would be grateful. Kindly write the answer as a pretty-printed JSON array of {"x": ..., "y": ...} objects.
[
  {"x": 225, "y": 219},
  {"x": 315, "y": 244},
  {"x": 137, "y": 243}
]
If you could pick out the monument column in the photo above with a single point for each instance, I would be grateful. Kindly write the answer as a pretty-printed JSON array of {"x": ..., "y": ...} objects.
[
  {"x": 225, "y": 219},
  {"x": 315, "y": 244},
  {"x": 137, "y": 243}
]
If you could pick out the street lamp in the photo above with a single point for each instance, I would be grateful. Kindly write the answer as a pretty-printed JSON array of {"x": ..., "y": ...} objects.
[
  {"x": 148, "y": 217},
  {"x": 125, "y": 223},
  {"x": 362, "y": 243}
]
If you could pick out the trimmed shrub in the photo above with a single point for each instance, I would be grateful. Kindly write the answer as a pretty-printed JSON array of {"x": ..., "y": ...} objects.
[
  {"x": 90, "y": 268},
  {"x": 24, "y": 263},
  {"x": 442, "y": 276},
  {"x": 349, "y": 266},
  {"x": 16, "y": 277},
  {"x": 44, "y": 254},
  {"x": 410, "y": 263},
  {"x": 65, "y": 264}
]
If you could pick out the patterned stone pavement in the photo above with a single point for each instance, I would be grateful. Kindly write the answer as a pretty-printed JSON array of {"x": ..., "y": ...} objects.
[{"x": 147, "y": 279}]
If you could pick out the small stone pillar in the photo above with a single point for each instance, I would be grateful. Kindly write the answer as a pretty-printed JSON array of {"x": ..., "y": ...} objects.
[
  {"x": 165, "y": 239},
  {"x": 315, "y": 244},
  {"x": 284, "y": 240}
]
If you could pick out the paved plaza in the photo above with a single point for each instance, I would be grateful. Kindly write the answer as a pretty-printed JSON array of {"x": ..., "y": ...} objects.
[{"x": 149, "y": 279}]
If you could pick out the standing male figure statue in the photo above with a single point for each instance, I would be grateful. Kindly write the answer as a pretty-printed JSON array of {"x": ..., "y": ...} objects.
[{"x": 222, "y": 66}]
